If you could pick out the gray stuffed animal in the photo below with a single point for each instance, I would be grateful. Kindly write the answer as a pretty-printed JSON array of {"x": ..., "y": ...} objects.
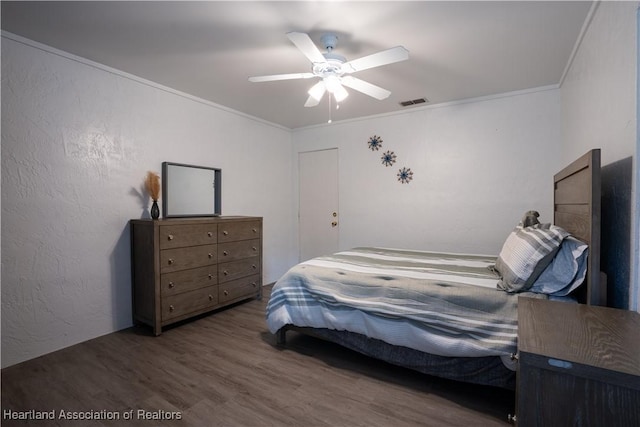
[{"x": 530, "y": 218}]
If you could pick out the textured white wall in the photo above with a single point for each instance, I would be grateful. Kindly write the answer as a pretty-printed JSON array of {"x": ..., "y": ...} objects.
[
  {"x": 478, "y": 166},
  {"x": 598, "y": 91},
  {"x": 77, "y": 142},
  {"x": 599, "y": 109}
]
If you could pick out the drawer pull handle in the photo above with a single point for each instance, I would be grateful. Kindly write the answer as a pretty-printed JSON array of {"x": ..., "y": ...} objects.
[
  {"x": 210, "y": 255},
  {"x": 170, "y": 236},
  {"x": 171, "y": 308},
  {"x": 254, "y": 284},
  {"x": 210, "y": 297},
  {"x": 254, "y": 266},
  {"x": 226, "y": 273},
  {"x": 210, "y": 276},
  {"x": 255, "y": 230},
  {"x": 254, "y": 248},
  {"x": 560, "y": 363},
  {"x": 171, "y": 261},
  {"x": 225, "y": 253},
  {"x": 171, "y": 285},
  {"x": 225, "y": 232},
  {"x": 226, "y": 293}
]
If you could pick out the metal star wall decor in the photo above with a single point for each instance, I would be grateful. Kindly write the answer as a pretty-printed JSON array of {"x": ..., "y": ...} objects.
[
  {"x": 389, "y": 158},
  {"x": 375, "y": 142},
  {"x": 405, "y": 175}
]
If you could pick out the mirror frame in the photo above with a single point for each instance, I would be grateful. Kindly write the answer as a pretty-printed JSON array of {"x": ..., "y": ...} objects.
[{"x": 166, "y": 191}]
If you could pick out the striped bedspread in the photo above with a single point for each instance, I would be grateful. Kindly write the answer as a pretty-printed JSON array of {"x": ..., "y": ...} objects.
[{"x": 440, "y": 303}]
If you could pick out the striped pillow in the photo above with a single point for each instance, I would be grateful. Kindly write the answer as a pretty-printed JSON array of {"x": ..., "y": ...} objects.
[{"x": 525, "y": 254}]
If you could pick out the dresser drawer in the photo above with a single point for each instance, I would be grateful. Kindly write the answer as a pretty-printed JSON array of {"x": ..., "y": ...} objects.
[
  {"x": 238, "y": 250},
  {"x": 241, "y": 288},
  {"x": 232, "y": 231},
  {"x": 187, "y": 280},
  {"x": 237, "y": 269},
  {"x": 178, "y": 236},
  {"x": 178, "y": 305},
  {"x": 184, "y": 258}
]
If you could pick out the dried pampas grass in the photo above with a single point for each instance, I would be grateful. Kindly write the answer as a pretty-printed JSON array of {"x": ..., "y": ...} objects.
[{"x": 152, "y": 185}]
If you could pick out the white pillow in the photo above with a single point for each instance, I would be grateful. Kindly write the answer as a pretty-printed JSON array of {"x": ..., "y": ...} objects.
[
  {"x": 526, "y": 253},
  {"x": 567, "y": 270}
]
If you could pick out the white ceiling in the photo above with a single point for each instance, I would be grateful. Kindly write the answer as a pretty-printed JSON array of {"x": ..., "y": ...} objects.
[{"x": 208, "y": 49}]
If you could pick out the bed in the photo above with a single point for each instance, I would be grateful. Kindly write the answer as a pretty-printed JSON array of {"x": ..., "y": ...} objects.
[{"x": 450, "y": 315}]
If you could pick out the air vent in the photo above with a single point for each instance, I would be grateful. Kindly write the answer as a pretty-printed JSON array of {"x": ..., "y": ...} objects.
[{"x": 414, "y": 102}]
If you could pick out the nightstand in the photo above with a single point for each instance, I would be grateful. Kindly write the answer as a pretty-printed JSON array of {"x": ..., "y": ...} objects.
[{"x": 579, "y": 365}]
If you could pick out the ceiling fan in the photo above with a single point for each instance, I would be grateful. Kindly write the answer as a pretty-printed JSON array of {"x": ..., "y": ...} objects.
[{"x": 334, "y": 70}]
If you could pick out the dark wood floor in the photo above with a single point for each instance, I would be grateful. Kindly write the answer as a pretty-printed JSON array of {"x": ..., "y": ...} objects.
[{"x": 225, "y": 370}]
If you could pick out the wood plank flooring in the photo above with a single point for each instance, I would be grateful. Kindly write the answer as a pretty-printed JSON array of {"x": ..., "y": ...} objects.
[{"x": 225, "y": 369}]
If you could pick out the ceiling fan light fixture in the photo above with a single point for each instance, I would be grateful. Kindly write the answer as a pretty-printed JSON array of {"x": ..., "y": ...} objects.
[
  {"x": 340, "y": 93},
  {"x": 333, "y": 85},
  {"x": 317, "y": 90}
]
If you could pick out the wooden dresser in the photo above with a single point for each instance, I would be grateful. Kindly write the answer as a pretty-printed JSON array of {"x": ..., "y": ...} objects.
[
  {"x": 579, "y": 365},
  {"x": 185, "y": 267}
]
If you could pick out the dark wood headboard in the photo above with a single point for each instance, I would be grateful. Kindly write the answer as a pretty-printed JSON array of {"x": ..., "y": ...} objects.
[{"x": 576, "y": 200}]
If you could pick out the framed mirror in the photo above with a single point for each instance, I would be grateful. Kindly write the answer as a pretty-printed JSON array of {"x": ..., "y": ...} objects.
[{"x": 189, "y": 190}]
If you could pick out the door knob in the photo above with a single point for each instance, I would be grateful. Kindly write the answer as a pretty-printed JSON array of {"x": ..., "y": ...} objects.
[
  {"x": 334, "y": 223},
  {"x": 335, "y": 214}
]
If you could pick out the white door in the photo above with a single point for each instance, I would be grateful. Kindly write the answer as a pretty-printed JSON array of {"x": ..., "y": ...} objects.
[{"x": 318, "y": 210}]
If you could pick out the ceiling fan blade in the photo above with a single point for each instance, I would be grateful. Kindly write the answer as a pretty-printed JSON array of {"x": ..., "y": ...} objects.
[
  {"x": 389, "y": 56},
  {"x": 275, "y": 77},
  {"x": 315, "y": 94},
  {"x": 306, "y": 46},
  {"x": 365, "y": 87}
]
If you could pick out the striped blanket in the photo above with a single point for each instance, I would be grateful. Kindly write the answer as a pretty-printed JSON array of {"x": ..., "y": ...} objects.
[{"x": 439, "y": 303}]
